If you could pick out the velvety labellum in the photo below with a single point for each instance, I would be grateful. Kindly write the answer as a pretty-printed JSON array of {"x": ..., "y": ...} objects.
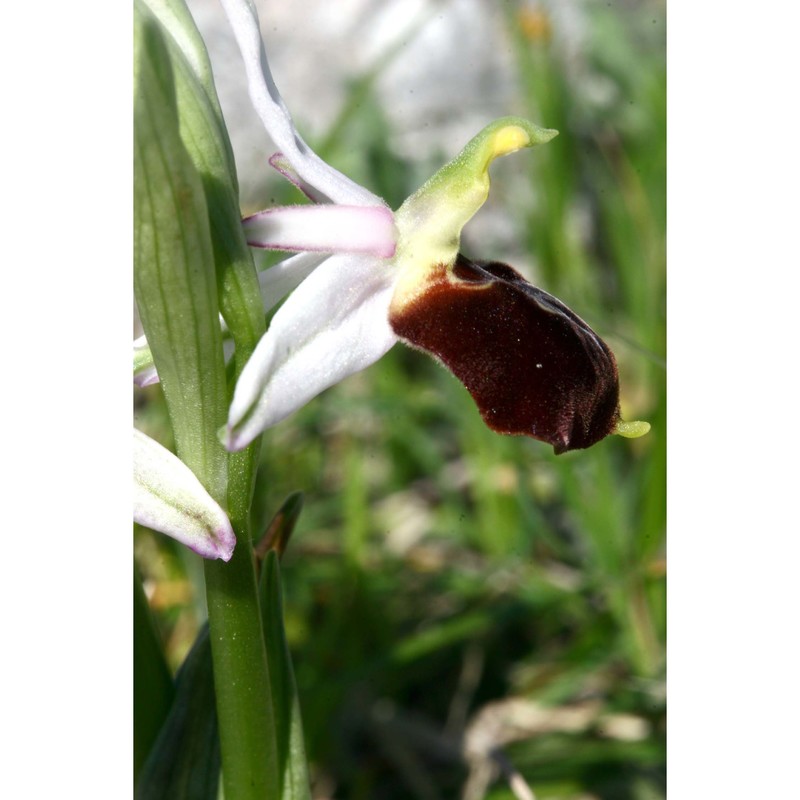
[{"x": 533, "y": 367}]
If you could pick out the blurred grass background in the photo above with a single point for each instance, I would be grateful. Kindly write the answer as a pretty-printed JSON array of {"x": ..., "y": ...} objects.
[{"x": 450, "y": 591}]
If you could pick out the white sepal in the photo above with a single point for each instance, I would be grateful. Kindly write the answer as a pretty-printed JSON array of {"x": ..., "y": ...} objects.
[
  {"x": 269, "y": 105},
  {"x": 168, "y": 497},
  {"x": 285, "y": 276},
  {"x": 334, "y": 324}
]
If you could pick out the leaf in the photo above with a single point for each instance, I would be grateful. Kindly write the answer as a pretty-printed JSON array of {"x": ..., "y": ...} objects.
[
  {"x": 205, "y": 137},
  {"x": 280, "y": 529},
  {"x": 184, "y": 763},
  {"x": 202, "y": 130},
  {"x": 177, "y": 21},
  {"x": 174, "y": 275}
]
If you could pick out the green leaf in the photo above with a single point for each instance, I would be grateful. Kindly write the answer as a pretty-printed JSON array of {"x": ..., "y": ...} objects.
[
  {"x": 184, "y": 763},
  {"x": 205, "y": 137},
  {"x": 153, "y": 690},
  {"x": 287, "y": 722},
  {"x": 175, "y": 281},
  {"x": 176, "y": 20},
  {"x": 280, "y": 529},
  {"x": 206, "y": 140}
]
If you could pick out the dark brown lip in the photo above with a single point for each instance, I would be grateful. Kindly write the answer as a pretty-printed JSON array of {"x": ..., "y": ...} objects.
[{"x": 533, "y": 367}]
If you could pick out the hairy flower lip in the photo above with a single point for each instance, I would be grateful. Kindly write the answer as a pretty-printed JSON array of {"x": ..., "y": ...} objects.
[{"x": 533, "y": 367}]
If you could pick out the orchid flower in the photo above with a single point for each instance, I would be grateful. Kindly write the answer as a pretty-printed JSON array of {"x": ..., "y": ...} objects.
[
  {"x": 366, "y": 278},
  {"x": 168, "y": 497}
]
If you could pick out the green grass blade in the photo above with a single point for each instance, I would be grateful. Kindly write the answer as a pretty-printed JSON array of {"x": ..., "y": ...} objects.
[{"x": 287, "y": 722}]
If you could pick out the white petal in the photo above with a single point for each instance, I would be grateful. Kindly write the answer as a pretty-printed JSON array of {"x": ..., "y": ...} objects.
[
  {"x": 324, "y": 229},
  {"x": 168, "y": 497},
  {"x": 269, "y": 105},
  {"x": 285, "y": 276},
  {"x": 144, "y": 370},
  {"x": 334, "y": 324}
]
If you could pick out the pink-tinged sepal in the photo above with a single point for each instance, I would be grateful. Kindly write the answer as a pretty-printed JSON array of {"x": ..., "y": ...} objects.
[
  {"x": 367, "y": 230},
  {"x": 533, "y": 367},
  {"x": 168, "y": 497}
]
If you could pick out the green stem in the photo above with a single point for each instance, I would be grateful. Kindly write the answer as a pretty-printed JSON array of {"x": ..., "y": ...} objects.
[
  {"x": 241, "y": 674},
  {"x": 241, "y": 678}
]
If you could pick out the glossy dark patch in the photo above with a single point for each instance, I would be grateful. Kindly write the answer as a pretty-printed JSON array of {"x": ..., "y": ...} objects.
[{"x": 532, "y": 366}]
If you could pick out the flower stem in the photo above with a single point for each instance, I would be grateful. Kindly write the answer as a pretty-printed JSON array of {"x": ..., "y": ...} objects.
[{"x": 241, "y": 679}]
